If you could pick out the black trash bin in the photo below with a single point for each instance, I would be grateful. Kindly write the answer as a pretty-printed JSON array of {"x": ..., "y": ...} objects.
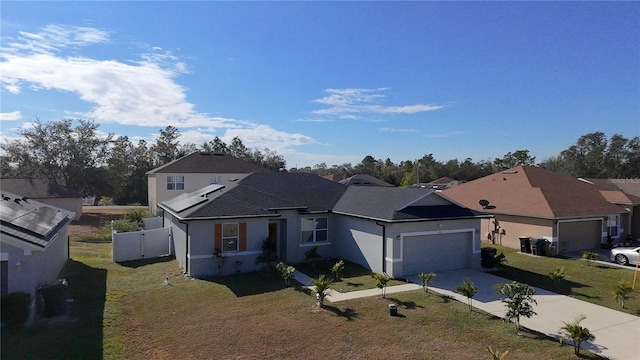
[
  {"x": 54, "y": 297},
  {"x": 539, "y": 247},
  {"x": 525, "y": 244},
  {"x": 486, "y": 255}
]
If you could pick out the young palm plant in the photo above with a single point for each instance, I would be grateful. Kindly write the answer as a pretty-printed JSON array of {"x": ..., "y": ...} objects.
[
  {"x": 497, "y": 355},
  {"x": 621, "y": 292},
  {"x": 286, "y": 271},
  {"x": 381, "y": 282},
  {"x": 468, "y": 289},
  {"x": 337, "y": 268},
  {"x": 425, "y": 279},
  {"x": 576, "y": 333},
  {"x": 557, "y": 275},
  {"x": 322, "y": 287}
]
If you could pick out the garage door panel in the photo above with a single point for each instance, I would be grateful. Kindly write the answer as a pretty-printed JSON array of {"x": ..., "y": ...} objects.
[
  {"x": 437, "y": 252},
  {"x": 581, "y": 235}
]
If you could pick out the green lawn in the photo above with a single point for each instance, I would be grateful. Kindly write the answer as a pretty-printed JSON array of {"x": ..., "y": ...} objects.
[
  {"x": 588, "y": 281},
  {"x": 353, "y": 278},
  {"x": 125, "y": 311}
]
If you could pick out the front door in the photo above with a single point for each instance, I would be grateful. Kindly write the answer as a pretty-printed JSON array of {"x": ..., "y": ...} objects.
[{"x": 272, "y": 240}]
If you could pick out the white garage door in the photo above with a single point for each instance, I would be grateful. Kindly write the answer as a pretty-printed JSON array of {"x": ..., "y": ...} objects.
[{"x": 436, "y": 252}]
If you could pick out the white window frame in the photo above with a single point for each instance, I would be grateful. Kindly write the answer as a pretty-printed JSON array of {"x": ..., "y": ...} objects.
[
  {"x": 215, "y": 179},
  {"x": 315, "y": 230},
  {"x": 227, "y": 238},
  {"x": 173, "y": 182},
  {"x": 613, "y": 221}
]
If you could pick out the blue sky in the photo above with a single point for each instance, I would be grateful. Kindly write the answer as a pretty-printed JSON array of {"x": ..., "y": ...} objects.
[{"x": 330, "y": 82}]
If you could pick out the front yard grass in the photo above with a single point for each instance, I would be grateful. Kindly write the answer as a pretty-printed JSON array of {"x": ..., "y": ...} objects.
[
  {"x": 587, "y": 281},
  {"x": 126, "y": 311},
  {"x": 353, "y": 278}
]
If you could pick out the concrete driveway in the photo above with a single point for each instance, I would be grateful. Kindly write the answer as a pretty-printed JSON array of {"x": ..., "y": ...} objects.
[{"x": 617, "y": 333}]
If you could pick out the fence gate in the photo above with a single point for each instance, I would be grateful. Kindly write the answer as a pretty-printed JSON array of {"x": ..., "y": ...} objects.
[{"x": 143, "y": 244}]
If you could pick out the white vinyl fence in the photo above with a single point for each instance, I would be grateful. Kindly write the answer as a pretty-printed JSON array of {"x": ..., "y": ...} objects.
[
  {"x": 152, "y": 223},
  {"x": 141, "y": 244}
]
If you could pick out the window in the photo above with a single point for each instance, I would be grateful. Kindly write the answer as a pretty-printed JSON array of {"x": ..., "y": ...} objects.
[
  {"x": 314, "y": 230},
  {"x": 612, "y": 225},
  {"x": 229, "y": 237},
  {"x": 215, "y": 180},
  {"x": 175, "y": 182}
]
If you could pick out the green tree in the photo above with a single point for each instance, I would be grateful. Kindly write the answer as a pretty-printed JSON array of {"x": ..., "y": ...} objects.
[
  {"x": 469, "y": 290},
  {"x": 215, "y": 146},
  {"x": 167, "y": 147},
  {"x": 369, "y": 166},
  {"x": 577, "y": 333},
  {"x": 519, "y": 300},
  {"x": 322, "y": 287},
  {"x": 381, "y": 282},
  {"x": 517, "y": 158},
  {"x": 238, "y": 149},
  {"x": 622, "y": 291},
  {"x": 61, "y": 153},
  {"x": 425, "y": 279}
]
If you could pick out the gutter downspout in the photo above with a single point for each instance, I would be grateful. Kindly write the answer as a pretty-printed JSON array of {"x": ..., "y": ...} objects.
[{"x": 384, "y": 247}]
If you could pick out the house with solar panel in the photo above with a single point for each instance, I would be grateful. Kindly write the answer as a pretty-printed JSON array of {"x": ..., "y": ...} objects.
[
  {"x": 34, "y": 243},
  {"x": 192, "y": 172},
  {"x": 222, "y": 228}
]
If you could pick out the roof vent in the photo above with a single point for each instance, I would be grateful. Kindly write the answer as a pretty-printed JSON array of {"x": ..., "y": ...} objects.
[
  {"x": 4, "y": 197},
  {"x": 17, "y": 201}
]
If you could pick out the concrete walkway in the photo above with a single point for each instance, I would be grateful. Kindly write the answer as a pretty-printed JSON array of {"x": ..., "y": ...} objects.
[{"x": 617, "y": 333}]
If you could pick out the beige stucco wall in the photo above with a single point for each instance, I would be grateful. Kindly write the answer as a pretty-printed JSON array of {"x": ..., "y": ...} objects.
[
  {"x": 158, "y": 185},
  {"x": 516, "y": 226}
]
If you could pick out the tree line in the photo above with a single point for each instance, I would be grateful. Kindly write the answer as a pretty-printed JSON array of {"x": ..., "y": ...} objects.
[{"x": 82, "y": 158}]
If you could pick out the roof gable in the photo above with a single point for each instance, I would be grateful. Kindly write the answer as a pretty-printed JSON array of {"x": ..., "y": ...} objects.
[
  {"x": 206, "y": 162},
  {"x": 533, "y": 191}
]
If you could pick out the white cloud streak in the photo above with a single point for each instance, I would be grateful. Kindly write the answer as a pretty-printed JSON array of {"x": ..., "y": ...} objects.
[{"x": 351, "y": 103}]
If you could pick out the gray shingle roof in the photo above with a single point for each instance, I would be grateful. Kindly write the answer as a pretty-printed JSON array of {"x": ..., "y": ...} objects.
[
  {"x": 396, "y": 204},
  {"x": 206, "y": 162}
]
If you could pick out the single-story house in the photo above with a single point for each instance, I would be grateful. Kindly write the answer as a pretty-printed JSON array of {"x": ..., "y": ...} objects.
[
  {"x": 440, "y": 183},
  {"x": 364, "y": 180},
  {"x": 50, "y": 193},
  {"x": 34, "y": 243},
  {"x": 195, "y": 171},
  {"x": 529, "y": 201},
  {"x": 398, "y": 231}
]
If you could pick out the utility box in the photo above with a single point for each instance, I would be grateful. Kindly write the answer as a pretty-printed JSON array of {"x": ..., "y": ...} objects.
[
  {"x": 54, "y": 297},
  {"x": 393, "y": 310},
  {"x": 525, "y": 244}
]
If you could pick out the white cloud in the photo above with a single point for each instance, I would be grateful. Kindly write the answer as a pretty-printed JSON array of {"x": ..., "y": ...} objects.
[
  {"x": 346, "y": 103},
  {"x": 139, "y": 93},
  {"x": 14, "y": 115},
  {"x": 387, "y": 129}
]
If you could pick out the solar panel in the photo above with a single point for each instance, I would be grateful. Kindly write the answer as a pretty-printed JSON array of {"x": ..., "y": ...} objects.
[
  {"x": 185, "y": 203},
  {"x": 37, "y": 219},
  {"x": 208, "y": 190}
]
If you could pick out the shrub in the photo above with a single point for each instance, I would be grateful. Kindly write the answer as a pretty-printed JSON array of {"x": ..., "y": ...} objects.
[
  {"x": 337, "y": 268},
  {"x": 135, "y": 215},
  {"x": 15, "y": 309},
  {"x": 125, "y": 226}
]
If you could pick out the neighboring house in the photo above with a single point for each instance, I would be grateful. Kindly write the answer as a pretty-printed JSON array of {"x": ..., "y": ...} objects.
[
  {"x": 625, "y": 193},
  {"x": 333, "y": 177},
  {"x": 440, "y": 184},
  {"x": 44, "y": 191},
  {"x": 34, "y": 243},
  {"x": 364, "y": 180},
  {"x": 529, "y": 201},
  {"x": 398, "y": 231},
  {"x": 193, "y": 172}
]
